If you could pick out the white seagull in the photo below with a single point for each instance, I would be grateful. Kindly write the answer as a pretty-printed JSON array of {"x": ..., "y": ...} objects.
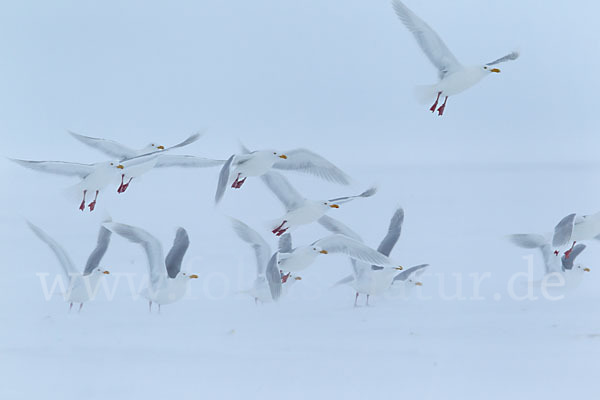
[
  {"x": 299, "y": 210},
  {"x": 564, "y": 265},
  {"x": 299, "y": 258},
  {"x": 256, "y": 163},
  {"x": 371, "y": 279},
  {"x": 270, "y": 283},
  {"x": 167, "y": 283},
  {"x": 575, "y": 228},
  {"x": 82, "y": 286},
  {"x": 454, "y": 77}
]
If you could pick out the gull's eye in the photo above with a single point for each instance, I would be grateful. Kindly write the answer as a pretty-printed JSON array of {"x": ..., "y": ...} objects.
[
  {"x": 275, "y": 152},
  {"x": 484, "y": 67},
  {"x": 112, "y": 164}
]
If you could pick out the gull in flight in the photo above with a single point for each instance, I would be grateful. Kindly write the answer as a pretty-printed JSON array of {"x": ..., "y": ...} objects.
[
  {"x": 82, "y": 286},
  {"x": 299, "y": 258},
  {"x": 257, "y": 163},
  {"x": 270, "y": 283},
  {"x": 371, "y": 279},
  {"x": 565, "y": 265},
  {"x": 299, "y": 210},
  {"x": 454, "y": 77},
  {"x": 575, "y": 228},
  {"x": 168, "y": 283}
]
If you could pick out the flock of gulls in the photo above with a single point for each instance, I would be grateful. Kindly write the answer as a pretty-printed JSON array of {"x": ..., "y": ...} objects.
[{"x": 373, "y": 272}]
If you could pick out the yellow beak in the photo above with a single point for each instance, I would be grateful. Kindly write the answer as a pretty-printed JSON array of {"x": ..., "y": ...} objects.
[
  {"x": 334, "y": 206},
  {"x": 120, "y": 166},
  {"x": 193, "y": 276},
  {"x": 298, "y": 278},
  {"x": 105, "y": 272},
  {"x": 418, "y": 284},
  {"x": 496, "y": 70},
  {"x": 399, "y": 268},
  {"x": 586, "y": 269},
  {"x": 323, "y": 252},
  {"x": 160, "y": 147},
  {"x": 283, "y": 156}
]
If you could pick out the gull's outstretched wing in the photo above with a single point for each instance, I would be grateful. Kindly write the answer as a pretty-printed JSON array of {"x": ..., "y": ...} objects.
[
  {"x": 563, "y": 231},
  {"x": 254, "y": 239},
  {"x": 191, "y": 139},
  {"x": 568, "y": 262},
  {"x": 339, "y": 243},
  {"x": 404, "y": 275},
  {"x": 367, "y": 193},
  {"x": 394, "y": 230},
  {"x": 171, "y": 160},
  {"x": 101, "y": 246},
  {"x": 282, "y": 188},
  {"x": 151, "y": 245},
  {"x": 175, "y": 256},
  {"x": 109, "y": 147},
  {"x": 335, "y": 226},
  {"x": 58, "y": 167},
  {"x": 223, "y": 179},
  {"x": 285, "y": 243},
  {"x": 509, "y": 57},
  {"x": 303, "y": 160},
  {"x": 63, "y": 258},
  {"x": 431, "y": 44},
  {"x": 273, "y": 278}
]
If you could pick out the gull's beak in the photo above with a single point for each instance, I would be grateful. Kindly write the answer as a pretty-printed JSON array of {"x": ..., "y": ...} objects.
[
  {"x": 399, "y": 268},
  {"x": 105, "y": 272},
  {"x": 193, "y": 276},
  {"x": 161, "y": 147},
  {"x": 334, "y": 206},
  {"x": 323, "y": 252},
  {"x": 418, "y": 284},
  {"x": 496, "y": 70},
  {"x": 283, "y": 156},
  {"x": 586, "y": 269},
  {"x": 298, "y": 278},
  {"x": 120, "y": 166}
]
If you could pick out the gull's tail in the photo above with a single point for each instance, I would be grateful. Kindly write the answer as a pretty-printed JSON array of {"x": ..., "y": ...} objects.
[{"x": 425, "y": 93}]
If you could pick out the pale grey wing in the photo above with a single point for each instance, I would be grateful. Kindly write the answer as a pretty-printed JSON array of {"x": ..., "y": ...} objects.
[
  {"x": 509, "y": 57},
  {"x": 109, "y": 147},
  {"x": 175, "y": 256},
  {"x": 431, "y": 44},
  {"x": 345, "y": 281},
  {"x": 63, "y": 258},
  {"x": 285, "y": 243},
  {"x": 563, "y": 231},
  {"x": 551, "y": 261},
  {"x": 95, "y": 257},
  {"x": 528, "y": 241},
  {"x": 283, "y": 190},
  {"x": 306, "y": 161},
  {"x": 335, "y": 226},
  {"x": 339, "y": 243},
  {"x": 273, "y": 278},
  {"x": 223, "y": 179},
  {"x": 185, "y": 161},
  {"x": 193, "y": 138},
  {"x": 367, "y": 193},
  {"x": 261, "y": 248},
  {"x": 151, "y": 245},
  {"x": 394, "y": 230},
  {"x": 58, "y": 167},
  {"x": 404, "y": 275},
  {"x": 244, "y": 149},
  {"x": 568, "y": 262}
]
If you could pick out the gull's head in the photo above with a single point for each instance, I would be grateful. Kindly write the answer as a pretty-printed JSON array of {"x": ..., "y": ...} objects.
[
  {"x": 490, "y": 69},
  {"x": 581, "y": 268},
  {"x": 319, "y": 250},
  {"x": 152, "y": 147},
  {"x": 329, "y": 204},
  {"x": 101, "y": 271},
  {"x": 276, "y": 155},
  {"x": 185, "y": 276}
]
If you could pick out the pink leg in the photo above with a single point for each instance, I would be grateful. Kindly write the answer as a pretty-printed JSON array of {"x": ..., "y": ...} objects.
[
  {"x": 279, "y": 227},
  {"x": 442, "y": 107},
  {"x": 92, "y": 205},
  {"x": 150, "y": 306},
  {"x": 367, "y": 300},
  {"x": 80, "y": 307},
  {"x": 125, "y": 186},
  {"x": 285, "y": 277},
  {"x": 159, "y": 308},
  {"x": 356, "y": 300},
  {"x": 82, "y": 206},
  {"x": 281, "y": 232},
  {"x": 433, "y": 107},
  {"x": 70, "y": 307},
  {"x": 120, "y": 189},
  {"x": 568, "y": 252}
]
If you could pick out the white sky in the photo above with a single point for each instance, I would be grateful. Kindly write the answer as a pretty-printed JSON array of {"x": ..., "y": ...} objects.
[{"x": 334, "y": 76}]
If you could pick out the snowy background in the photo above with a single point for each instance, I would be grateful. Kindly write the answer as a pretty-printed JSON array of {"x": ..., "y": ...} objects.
[{"x": 514, "y": 154}]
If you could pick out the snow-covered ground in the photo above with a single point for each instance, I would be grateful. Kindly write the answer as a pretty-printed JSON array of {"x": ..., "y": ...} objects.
[{"x": 447, "y": 341}]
